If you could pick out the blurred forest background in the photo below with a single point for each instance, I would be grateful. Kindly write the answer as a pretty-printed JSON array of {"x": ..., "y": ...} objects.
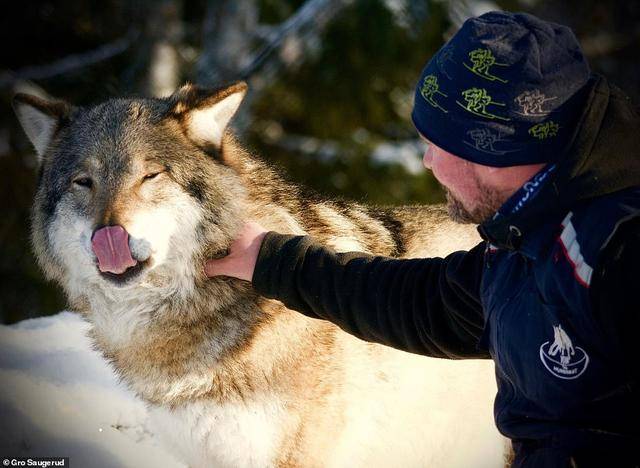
[{"x": 331, "y": 86}]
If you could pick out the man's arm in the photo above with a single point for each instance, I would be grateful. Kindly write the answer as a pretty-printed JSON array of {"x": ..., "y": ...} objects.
[
  {"x": 426, "y": 306},
  {"x": 614, "y": 292}
]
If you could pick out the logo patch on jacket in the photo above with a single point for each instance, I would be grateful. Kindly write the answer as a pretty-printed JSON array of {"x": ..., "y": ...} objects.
[{"x": 561, "y": 358}]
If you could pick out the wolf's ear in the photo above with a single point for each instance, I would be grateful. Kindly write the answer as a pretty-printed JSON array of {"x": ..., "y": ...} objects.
[
  {"x": 205, "y": 113},
  {"x": 40, "y": 118}
]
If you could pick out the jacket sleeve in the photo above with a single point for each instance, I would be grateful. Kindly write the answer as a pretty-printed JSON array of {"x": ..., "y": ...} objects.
[
  {"x": 425, "y": 306},
  {"x": 614, "y": 292}
]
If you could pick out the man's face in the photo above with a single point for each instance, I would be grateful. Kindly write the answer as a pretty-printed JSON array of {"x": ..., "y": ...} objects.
[{"x": 475, "y": 192}]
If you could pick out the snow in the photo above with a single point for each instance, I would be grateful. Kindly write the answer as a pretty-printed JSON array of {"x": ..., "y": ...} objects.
[
  {"x": 407, "y": 153},
  {"x": 59, "y": 397}
]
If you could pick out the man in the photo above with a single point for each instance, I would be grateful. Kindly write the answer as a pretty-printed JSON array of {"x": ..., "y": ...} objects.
[{"x": 545, "y": 156}]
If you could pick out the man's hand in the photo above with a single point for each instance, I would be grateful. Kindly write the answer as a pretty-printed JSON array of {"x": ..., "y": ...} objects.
[{"x": 243, "y": 254}]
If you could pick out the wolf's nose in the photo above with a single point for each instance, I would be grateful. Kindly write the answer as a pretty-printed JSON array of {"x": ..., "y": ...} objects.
[{"x": 111, "y": 246}]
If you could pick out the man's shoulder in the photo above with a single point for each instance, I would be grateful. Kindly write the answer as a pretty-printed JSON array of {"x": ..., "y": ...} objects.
[
  {"x": 605, "y": 213},
  {"x": 626, "y": 195},
  {"x": 607, "y": 226},
  {"x": 587, "y": 230}
]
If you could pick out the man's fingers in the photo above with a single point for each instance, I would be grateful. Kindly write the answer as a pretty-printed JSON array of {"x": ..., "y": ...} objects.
[
  {"x": 243, "y": 253},
  {"x": 215, "y": 267}
]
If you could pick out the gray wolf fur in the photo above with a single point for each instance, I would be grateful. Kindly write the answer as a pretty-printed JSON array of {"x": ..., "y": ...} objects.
[{"x": 231, "y": 378}]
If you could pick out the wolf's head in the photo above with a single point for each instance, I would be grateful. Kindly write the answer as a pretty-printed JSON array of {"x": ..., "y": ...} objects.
[{"x": 133, "y": 193}]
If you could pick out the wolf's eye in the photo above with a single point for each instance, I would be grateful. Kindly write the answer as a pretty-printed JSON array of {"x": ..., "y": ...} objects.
[
  {"x": 83, "y": 182},
  {"x": 153, "y": 175}
]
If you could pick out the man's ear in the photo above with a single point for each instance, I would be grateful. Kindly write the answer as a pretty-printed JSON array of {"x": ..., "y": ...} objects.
[
  {"x": 206, "y": 113},
  {"x": 40, "y": 118}
]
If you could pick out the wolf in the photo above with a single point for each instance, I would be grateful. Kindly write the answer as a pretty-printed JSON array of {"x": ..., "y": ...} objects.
[{"x": 134, "y": 194}]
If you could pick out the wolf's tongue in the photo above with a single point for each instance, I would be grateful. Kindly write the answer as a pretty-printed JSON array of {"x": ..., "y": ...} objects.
[{"x": 111, "y": 246}]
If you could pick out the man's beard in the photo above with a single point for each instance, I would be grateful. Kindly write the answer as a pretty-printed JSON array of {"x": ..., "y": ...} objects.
[{"x": 490, "y": 201}]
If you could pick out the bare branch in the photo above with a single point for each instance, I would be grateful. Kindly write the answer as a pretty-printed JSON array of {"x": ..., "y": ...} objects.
[
  {"x": 69, "y": 63},
  {"x": 229, "y": 34},
  {"x": 312, "y": 16},
  {"x": 228, "y": 52}
]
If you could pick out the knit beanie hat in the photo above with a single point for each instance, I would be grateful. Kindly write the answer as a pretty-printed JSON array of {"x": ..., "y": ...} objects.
[{"x": 504, "y": 91}]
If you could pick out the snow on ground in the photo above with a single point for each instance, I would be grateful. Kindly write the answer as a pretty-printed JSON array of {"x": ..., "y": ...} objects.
[{"x": 58, "y": 397}]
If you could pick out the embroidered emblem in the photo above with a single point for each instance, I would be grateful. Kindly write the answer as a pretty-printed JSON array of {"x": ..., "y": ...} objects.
[
  {"x": 486, "y": 140},
  {"x": 483, "y": 60},
  {"x": 430, "y": 88},
  {"x": 544, "y": 130},
  {"x": 445, "y": 57},
  {"x": 531, "y": 103},
  {"x": 477, "y": 99},
  {"x": 561, "y": 358}
]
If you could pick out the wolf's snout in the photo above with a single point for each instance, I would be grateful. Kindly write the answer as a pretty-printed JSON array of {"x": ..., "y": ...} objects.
[{"x": 111, "y": 246}]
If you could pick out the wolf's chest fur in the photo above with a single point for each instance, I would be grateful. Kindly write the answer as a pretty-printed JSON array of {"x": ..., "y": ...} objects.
[{"x": 224, "y": 435}]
